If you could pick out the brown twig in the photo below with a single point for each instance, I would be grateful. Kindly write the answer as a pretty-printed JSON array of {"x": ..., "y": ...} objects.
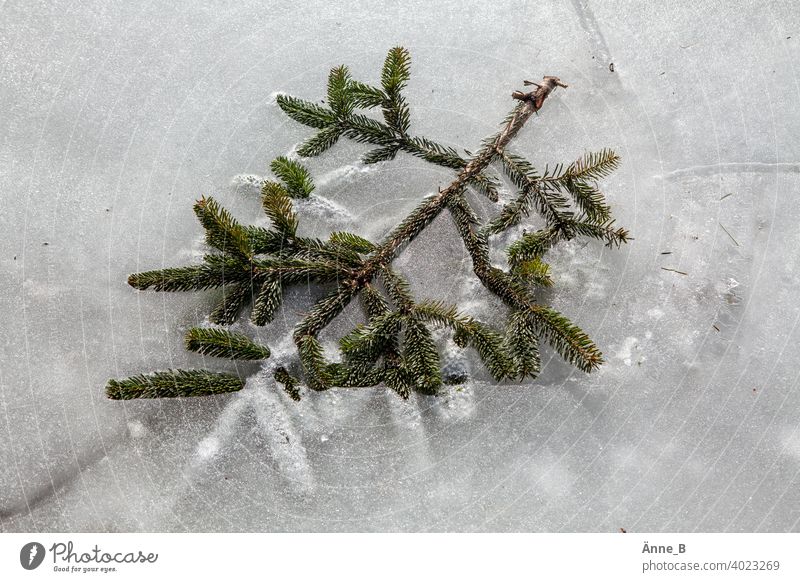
[{"x": 674, "y": 271}]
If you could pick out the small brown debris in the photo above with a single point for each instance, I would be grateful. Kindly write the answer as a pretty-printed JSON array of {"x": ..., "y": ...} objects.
[
  {"x": 674, "y": 271},
  {"x": 729, "y": 234}
]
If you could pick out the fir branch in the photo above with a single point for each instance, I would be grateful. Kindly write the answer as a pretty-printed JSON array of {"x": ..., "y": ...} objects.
[
  {"x": 396, "y": 70},
  {"x": 589, "y": 200},
  {"x": 324, "y": 311},
  {"x": 338, "y": 85},
  {"x": 266, "y": 302},
  {"x": 290, "y": 383},
  {"x": 363, "y": 346},
  {"x": 320, "y": 142},
  {"x": 352, "y": 242},
  {"x": 433, "y": 152},
  {"x": 364, "y": 129},
  {"x": 214, "y": 272},
  {"x": 532, "y": 245},
  {"x": 523, "y": 345},
  {"x": 469, "y": 332},
  {"x": 534, "y": 272},
  {"x": 234, "y": 298},
  {"x": 604, "y": 231},
  {"x": 173, "y": 383},
  {"x": 285, "y": 258},
  {"x": 486, "y": 186},
  {"x": 383, "y": 154},
  {"x": 211, "y": 341},
  {"x": 306, "y": 112},
  {"x": 399, "y": 379},
  {"x": 223, "y": 232},
  {"x": 374, "y": 303},
  {"x": 277, "y": 206},
  {"x": 314, "y": 365},
  {"x": 553, "y": 206},
  {"x": 398, "y": 288},
  {"x": 593, "y": 166},
  {"x": 422, "y": 357},
  {"x": 365, "y": 96},
  {"x": 294, "y": 175},
  {"x": 300, "y": 270},
  {"x": 266, "y": 242},
  {"x": 565, "y": 337}
]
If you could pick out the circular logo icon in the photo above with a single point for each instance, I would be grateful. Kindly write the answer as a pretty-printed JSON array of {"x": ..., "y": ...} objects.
[{"x": 31, "y": 555}]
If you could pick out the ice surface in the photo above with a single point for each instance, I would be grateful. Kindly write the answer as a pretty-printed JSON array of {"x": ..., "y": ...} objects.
[{"x": 115, "y": 120}]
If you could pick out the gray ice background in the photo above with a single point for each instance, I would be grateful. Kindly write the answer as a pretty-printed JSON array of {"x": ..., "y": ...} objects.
[{"x": 115, "y": 117}]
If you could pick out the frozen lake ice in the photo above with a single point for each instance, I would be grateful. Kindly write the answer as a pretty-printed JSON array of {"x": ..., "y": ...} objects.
[{"x": 115, "y": 119}]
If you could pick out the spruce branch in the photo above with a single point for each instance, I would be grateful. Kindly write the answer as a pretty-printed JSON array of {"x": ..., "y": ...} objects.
[
  {"x": 277, "y": 206},
  {"x": 593, "y": 166},
  {"x": 320, "y": 142},
  {"x": 222, "y": 230},
  {"x": 395, "y": 346},
  {"x": 173, "y": 383},
  {"x": 534, "y": 272},
  {"x": 289, "y": 383},
  {"x": 234, "y": 298},
  {"x": 352, "y": 242},
  {"x": 267, "y": 301},
  {"x": 421, "y": 356},
  {"x": 565, "y": 337},
  {"x": 523, "y": 345},
  {"x": 306, "y": 112},
  {"x": 295, "y": 177},
  {"x": 222, "y": 343}
]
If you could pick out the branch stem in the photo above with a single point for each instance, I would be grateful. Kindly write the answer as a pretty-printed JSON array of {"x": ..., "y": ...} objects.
[{"x": 416, "y": 222}]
